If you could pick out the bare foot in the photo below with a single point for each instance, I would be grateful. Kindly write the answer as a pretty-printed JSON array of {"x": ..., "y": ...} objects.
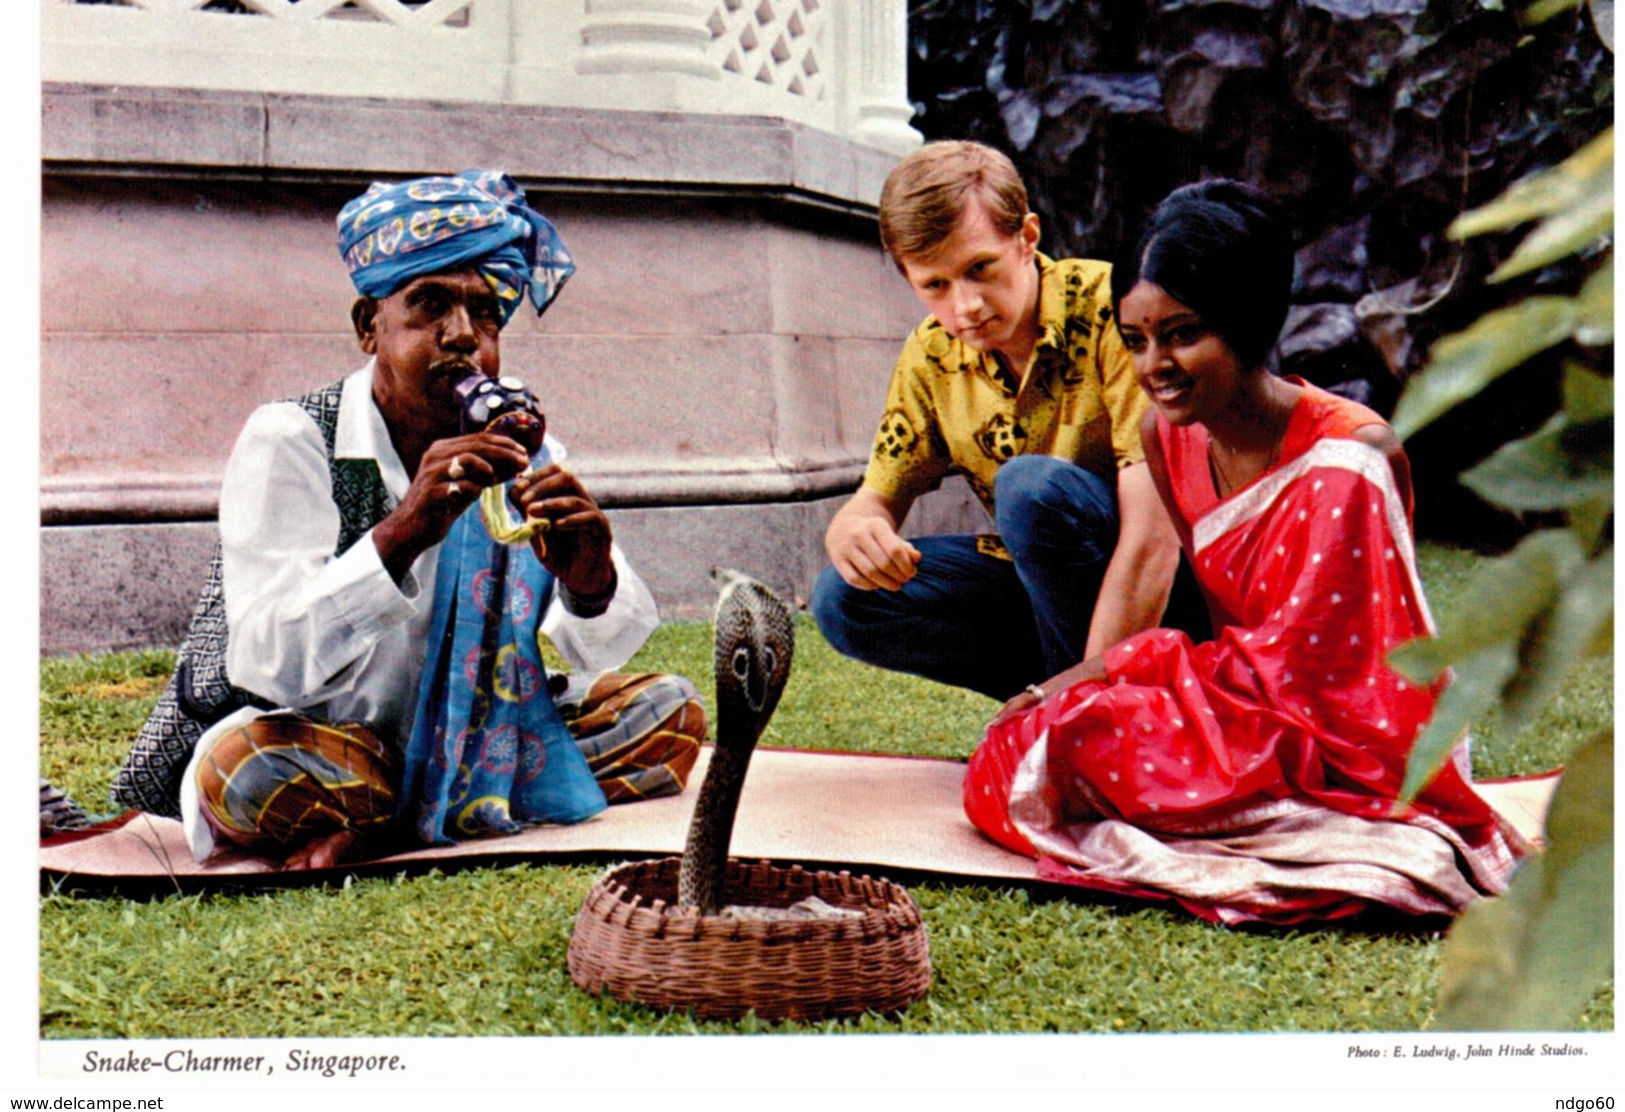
[{"x": 323, "y": 853}]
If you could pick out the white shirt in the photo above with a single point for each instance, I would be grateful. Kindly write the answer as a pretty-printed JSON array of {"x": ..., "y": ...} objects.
[{"x": 336, "y": 636}]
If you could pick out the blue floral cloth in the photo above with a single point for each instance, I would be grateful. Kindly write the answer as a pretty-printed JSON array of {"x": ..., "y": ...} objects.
[
  {"x": 395, "y": 232},
  {"x": 489, "y": 752}
]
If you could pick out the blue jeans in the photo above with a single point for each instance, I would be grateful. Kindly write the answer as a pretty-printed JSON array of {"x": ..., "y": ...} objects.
[{"x": 978, "y": 621}]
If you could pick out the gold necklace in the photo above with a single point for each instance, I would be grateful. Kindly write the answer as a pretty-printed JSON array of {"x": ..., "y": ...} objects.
[{"x": 1226, "y": 487}]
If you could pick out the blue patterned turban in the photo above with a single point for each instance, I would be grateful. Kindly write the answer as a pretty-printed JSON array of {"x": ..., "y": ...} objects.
[{"x": 396, "y": 232}]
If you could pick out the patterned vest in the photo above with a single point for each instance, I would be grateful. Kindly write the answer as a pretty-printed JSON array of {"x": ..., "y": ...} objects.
[{"x": 198, "y": 693}]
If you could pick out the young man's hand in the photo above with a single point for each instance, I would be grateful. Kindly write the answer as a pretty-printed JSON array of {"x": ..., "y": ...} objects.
[{"x": 864, "y": 545}]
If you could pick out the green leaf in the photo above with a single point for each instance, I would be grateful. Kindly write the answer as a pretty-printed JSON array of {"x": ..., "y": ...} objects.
[
  {"x": 1558, "y": 466},
  {"x": 1542, "y": 10},
  {"x": 1500, "y": 602},
  {"x": 1476, "y": 684},
  {"x": 1568, "y": 233},
  {"x": 1582, "y": 811},
  {"x": 1587, "y": 395},
  {"x": 1567, "y": 465},
  {"x": 1464, "y": 363},
  {"x": 1595, "y": 327},
  {"x": 1532, "y": 959},
  {"x": 1590, "y": 521},
  {"x": 1549, "y": 192},
  {"x": 1580, "y": 626},
  {"x": 1497, "y": 609}
]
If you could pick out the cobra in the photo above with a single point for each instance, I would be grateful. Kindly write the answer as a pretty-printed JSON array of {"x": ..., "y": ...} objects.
[{"x": 755, "y": 639}]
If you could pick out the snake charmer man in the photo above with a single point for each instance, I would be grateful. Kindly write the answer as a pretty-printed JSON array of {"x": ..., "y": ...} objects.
[
  {"x": 1019, "y": 382},
  {"x": 363, "y": 666}
]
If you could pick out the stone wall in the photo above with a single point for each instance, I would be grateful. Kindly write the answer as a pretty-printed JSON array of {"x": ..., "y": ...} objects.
[{"x": 716, "y": 365}]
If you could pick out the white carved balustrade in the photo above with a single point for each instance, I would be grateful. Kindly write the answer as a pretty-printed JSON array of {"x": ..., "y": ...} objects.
[{"x": 836, "y": 65}]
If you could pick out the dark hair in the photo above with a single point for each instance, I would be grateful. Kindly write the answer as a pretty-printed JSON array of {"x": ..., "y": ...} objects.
[{"x": 1223, "y": 249}]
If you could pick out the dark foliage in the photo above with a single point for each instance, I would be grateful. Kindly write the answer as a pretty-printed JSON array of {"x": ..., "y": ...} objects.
[{"x": 1376, "y": 122}]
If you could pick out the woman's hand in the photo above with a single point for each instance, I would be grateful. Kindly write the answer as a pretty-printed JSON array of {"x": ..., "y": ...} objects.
[{"x": 1091, "y": 669}]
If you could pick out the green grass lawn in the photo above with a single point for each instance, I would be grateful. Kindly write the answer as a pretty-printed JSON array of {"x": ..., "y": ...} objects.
[{"x": 482, "y": 952}]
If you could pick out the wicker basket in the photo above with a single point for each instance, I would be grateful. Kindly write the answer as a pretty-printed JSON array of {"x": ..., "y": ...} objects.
[{"x": 630, "y": 943}]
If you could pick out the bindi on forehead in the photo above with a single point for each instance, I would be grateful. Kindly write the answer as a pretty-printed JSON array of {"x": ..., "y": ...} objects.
[{"x": 1163, "y": 320}]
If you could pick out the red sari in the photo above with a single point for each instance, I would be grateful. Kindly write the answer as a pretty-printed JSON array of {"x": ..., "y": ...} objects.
[{"x": 1255, "y": 776}]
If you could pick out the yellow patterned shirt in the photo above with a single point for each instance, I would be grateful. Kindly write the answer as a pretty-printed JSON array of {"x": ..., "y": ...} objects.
[{"x": 954, "y": 410}]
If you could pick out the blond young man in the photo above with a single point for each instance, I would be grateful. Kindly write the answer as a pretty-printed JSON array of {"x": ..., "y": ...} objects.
[{"x": 1019, "y": 382}]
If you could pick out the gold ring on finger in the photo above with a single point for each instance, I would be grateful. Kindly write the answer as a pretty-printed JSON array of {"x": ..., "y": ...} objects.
[
  {"x": 454, "y": 489},
  {"x": 456, "y": 468}
]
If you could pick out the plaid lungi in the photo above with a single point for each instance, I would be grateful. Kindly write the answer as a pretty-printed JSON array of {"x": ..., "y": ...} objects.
[
  {"x": 640, "y": 734},
  {"x": 284, "y": 779}
]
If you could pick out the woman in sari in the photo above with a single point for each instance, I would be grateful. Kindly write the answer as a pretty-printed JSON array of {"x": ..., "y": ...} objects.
[{"x": 1254, "y": 776}]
